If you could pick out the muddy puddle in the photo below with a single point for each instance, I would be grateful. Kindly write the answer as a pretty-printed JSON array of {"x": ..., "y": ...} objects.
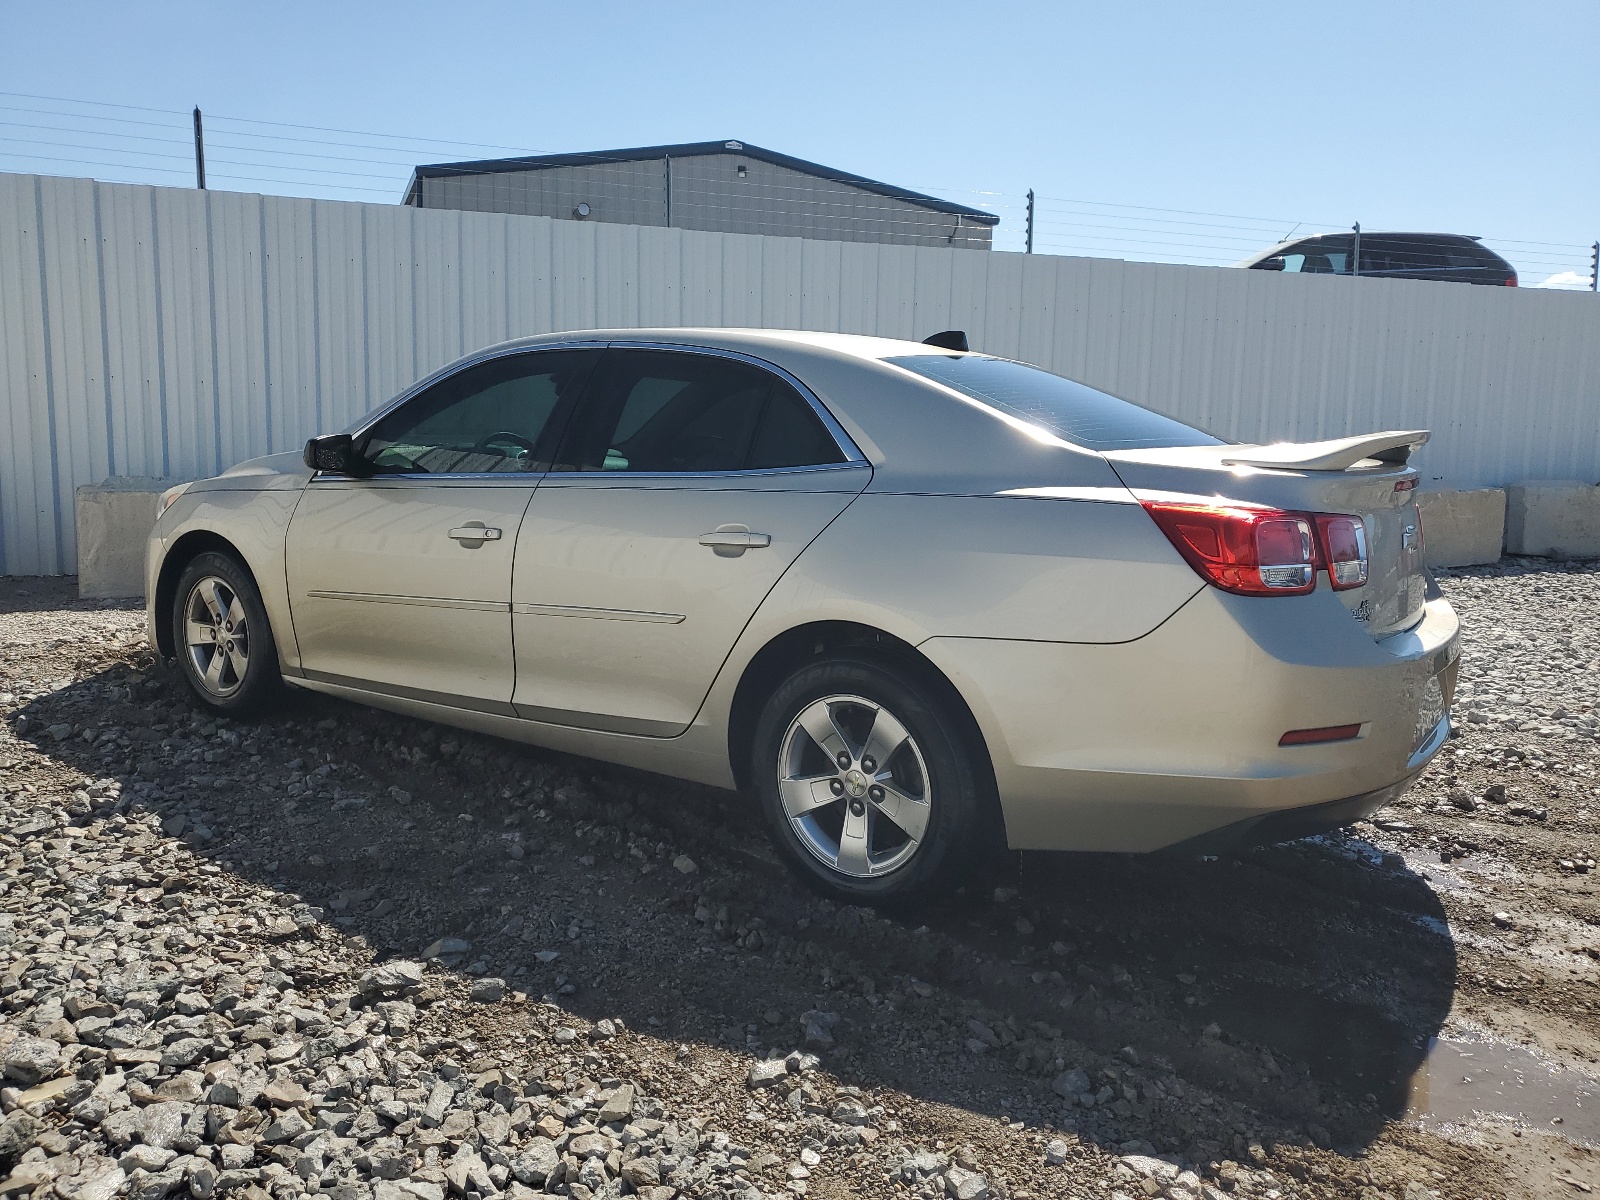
[{"x": 1464, "y": 1078}]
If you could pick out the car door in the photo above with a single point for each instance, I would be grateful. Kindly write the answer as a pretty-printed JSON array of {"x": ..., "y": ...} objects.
[
  {"x": 687, "y": 483},
  {"x": 400, "y": 576}
]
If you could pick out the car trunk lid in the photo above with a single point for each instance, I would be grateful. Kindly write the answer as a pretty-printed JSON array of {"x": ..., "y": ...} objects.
[{"x": 1364, "y": 476}]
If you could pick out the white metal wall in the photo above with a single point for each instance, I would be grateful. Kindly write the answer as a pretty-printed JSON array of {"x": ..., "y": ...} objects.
[{"x": 164, "y": 331}]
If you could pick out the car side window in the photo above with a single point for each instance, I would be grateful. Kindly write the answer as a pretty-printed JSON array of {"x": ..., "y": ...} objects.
[
  {"x": 491, "y": 418},
  {"x": 663, "y": 411},
  {"x": 1321, "y": 256}
]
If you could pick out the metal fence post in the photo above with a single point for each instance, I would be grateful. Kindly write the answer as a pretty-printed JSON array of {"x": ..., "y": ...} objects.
[{"x": 199, "y": 152}]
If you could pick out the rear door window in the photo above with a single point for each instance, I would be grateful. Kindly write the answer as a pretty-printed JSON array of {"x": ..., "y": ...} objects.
[
  {"x": 1071, "y": 411},
  {"x": 1436, "y": 257},
  {"x": 670, "y": 412}
]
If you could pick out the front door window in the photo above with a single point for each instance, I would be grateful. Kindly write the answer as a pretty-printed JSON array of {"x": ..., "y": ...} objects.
[{"x": 487, "y": 419}]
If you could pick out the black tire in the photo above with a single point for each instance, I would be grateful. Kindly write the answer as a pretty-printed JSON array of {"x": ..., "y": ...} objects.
[
  {"x": 224, "y": 689},
  {"x": 962, "y": 817}
]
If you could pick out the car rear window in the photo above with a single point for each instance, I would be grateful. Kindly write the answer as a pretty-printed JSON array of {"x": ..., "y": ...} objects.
[
  {"x": 1072, "y": 411},
  {"x": 1424, "y": 254}
]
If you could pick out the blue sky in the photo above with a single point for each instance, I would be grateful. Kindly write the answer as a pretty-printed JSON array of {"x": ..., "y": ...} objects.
[{"x": 1471, "y": 117}]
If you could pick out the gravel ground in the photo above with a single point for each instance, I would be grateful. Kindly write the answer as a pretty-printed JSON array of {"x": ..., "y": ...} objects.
[{"x": 344, "y": 952}]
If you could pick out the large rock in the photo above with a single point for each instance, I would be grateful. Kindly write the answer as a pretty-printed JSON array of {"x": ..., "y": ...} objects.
[
  {"x": 1553, "y": 518},
  {"x": 32, "y": 1060},
  {"x": 161, "y": 1125},
  {"x": 390, "y": 978},
  {"x": 536, "y": 1163},
  {"x": 817, "y": 1029},
  {"x": 1071, "y": 1083},
  {"x": 961, "y": 1184},
  {"x": 768, "y": 1073},
  {"x": 18, "y": 1132},
  {"x": 1462, "y": 528}
]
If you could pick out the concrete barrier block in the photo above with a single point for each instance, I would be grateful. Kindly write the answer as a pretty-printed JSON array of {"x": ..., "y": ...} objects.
[
  {"x": 1462, "y": 528},
  {"x": 1553, "y": 518},
  {"x": 114, "y": 522}
]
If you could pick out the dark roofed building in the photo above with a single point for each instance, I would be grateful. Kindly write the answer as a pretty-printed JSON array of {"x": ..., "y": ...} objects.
[{"x": 725, "y": 187}]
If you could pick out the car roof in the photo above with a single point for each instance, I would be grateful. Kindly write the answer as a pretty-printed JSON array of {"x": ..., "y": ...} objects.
[
  {"x": 854, "y": 345},
  {"x": 1458, "y": 239}
]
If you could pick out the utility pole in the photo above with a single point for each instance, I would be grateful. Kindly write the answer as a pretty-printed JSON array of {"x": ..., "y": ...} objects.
[
  {"x": 1594, "y": 270},
  {"x": 1355, "y": 255},
  {"x": 199, "y": 152},
  {"x": 1030, "y": 222}
]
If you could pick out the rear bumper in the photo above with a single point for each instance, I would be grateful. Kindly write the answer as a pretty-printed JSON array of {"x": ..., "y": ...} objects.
[
  {"x": 1172, "y": 739},
  {"x": 1286, "y": 825}
]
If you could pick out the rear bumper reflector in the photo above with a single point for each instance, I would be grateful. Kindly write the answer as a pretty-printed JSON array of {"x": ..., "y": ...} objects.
[{"x": 1328, "y": 733}]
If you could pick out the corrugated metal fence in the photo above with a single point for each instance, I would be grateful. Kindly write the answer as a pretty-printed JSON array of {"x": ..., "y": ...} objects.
[{"x": 163, "y": 331}]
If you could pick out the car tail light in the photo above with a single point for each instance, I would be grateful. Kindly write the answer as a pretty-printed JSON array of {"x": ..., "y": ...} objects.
[
  {"x": 1344, "y": 549},
  {"x": 1512, "y": 282},
  {"x": 1254, "y": 551},
  {"x": 1242, "y": 549}
]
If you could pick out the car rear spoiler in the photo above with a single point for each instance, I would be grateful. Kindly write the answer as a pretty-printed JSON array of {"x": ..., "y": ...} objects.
[{"x": 1339, "y": 454}]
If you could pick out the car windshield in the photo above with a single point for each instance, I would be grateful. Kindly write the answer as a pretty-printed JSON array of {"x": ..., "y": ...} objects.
[{"x": 1072, "y": 411}]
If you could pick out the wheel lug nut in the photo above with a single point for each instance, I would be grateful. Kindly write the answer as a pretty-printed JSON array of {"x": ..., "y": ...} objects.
[
  {"x": 842, "y": 759},
  {"x": 869, "y": 763},
  {"x": 836, "y": 786},
  {"x": 876, "y": 793}
]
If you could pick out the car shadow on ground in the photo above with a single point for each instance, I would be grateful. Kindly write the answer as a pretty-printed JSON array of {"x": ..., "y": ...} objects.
[{"x": 1287, "y": 993}]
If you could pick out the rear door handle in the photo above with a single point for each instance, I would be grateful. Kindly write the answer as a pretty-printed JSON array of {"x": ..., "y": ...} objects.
[
  {"x": 475, "y": 533},
  {"x": 730, "y": 541}
]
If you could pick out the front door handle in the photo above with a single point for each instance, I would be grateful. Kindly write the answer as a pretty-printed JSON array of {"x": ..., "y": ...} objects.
[
  {"x": 730, "y": 541},
  {"x": 475, "y": 533}
]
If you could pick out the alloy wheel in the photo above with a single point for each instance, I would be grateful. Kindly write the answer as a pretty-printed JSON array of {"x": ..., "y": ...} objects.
[
  {"x": 854, "y": 786},
  {"x": 216, "y": 634}
]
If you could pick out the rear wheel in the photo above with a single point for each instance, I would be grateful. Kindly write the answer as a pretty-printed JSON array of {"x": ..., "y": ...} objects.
[
  {"x": 224, "y": 643},
  {"x": 870, "y": 784}
]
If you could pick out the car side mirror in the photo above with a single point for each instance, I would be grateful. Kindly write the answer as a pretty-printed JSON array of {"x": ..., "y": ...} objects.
[
  {"x": 334, "y": 452},
  {"x": 1270, "y": 264}
]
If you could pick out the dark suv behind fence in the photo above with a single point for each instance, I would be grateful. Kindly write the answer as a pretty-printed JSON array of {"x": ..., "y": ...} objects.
[{"x": 1443, "y": 256}]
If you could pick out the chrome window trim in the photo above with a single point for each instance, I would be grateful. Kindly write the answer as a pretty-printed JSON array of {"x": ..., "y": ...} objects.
[
  {"x": 842, "y": 440},
  {"x": 527, "y": 479},
  {"x": 557, "y": 478}
]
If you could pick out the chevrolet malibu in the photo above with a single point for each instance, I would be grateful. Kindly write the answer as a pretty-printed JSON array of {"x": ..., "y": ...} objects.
[{"x": 914, "y": 602}]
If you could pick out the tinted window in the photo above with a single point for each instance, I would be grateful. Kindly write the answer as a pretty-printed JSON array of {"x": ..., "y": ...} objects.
[
  {"x": 1386, "y": 255},
  {"x": 663, "y": 411},
  {"x": 1073, "y": 412},
  {"x": 1325, "y": 256},
  {"x": 489, "y": 418}
]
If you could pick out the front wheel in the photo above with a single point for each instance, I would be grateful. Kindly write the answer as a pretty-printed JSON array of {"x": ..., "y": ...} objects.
[
  {"x": 871, "y": 786},
  {"x": 224, "y": 643}
]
